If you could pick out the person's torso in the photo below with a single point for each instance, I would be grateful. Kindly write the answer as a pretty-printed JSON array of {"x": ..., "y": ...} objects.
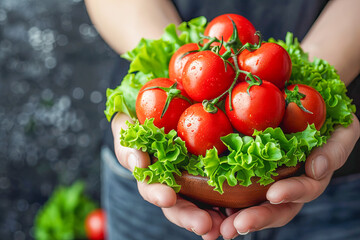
[{"x": 273, "y": 18}]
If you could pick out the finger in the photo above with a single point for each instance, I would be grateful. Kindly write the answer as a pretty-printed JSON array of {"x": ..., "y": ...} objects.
[
  {"x": 187, "y": 215},
  {"x": 227, "y": 228},
  {"x": 217, "y": 219},
  {"x": 331, "y": 156},
  {"x": 128, "y": 157},
  {"x": 158, "y": 194},
  {"x": 300, "y": 189},
  {"x": 265, "y": 216}
]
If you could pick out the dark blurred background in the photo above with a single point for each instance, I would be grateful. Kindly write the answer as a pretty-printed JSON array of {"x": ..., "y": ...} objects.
[{"x": 54, "y": 70}]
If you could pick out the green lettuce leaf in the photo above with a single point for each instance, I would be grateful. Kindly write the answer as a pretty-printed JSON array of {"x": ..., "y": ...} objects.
[
  {"x": 260, "y": 156},
  {"x": 123, "y": 98},
  {"x": 149, "y": 60},
  {"x": 248, "y": 157},
  {"x": 64, "y": 214},
  {"x": 169, "y": 150}
]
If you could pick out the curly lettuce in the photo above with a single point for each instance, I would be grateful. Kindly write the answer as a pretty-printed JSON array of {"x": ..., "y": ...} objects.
[
  {"x": 64, "y": 214},
  {"x": 247, "y": 157},
  {"x": 169, "y": 150}
]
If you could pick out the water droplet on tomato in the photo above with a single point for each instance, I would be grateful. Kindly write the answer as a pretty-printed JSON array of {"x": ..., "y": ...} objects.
[
  {"x": 188, "y": 125},
  {"x": 193, "y": 68}
]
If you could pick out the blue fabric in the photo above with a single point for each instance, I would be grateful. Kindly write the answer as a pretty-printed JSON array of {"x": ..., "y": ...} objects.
[
  {"x": 335, "y": 215},
  {"x": 273, "y": 18}
]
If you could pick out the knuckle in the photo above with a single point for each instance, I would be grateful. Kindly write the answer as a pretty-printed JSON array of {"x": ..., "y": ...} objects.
[
  {"x": 122, "y": 154},
  {"x": 118, "y": 151},
  {"x": 290, "y": 212},
  {"x": 304, "y": 185},
  {"x": 315, "y": 188},
  {"x": 338, "y": 154},
  {"x": 310, "y": 188},
  {"x": 356, "y": 127}
]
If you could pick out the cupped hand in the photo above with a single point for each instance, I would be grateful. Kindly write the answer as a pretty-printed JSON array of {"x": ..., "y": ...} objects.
[
  {"x": 177, "y": 210},
  {"x": 286, "y": 197}
]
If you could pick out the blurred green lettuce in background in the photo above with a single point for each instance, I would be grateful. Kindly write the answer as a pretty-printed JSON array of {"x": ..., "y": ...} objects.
[{"x": 64, "y": 214}]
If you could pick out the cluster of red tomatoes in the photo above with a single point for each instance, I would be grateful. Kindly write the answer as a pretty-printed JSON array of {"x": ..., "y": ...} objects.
[{"x": 232, "y": 68}]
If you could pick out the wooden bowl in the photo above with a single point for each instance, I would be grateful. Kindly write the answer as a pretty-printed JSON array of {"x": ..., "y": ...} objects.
[{"x": 196, "y": 188}]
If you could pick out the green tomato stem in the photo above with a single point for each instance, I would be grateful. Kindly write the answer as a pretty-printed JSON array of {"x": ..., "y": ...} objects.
[
  {"x": 295, "y": 96},
  {"x": 233, "y": 45},
  {"x": 171, "y": 93},
  {"x": 209, "y": 106},
  {"x": 208, "y": 44},
  {"x": 251, "y": 47}
]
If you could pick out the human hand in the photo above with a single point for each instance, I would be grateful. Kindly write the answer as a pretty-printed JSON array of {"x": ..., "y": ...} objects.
[
  {"x": 286, "y": 197},
  {"x": 177, "y": 210}
]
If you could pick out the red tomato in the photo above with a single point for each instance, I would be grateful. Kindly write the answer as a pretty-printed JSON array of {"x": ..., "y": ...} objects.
[
  {"x": 178, "y": 60},
  {"x": 150, "y": 104},
  {"x": 221, "y": 27},
  {"x": 202, "y": 130},
  {"x": 270, "y": 62},
  {"x": 205, "y": 76},
  {"x": 264, "y": 107},
  {"x": 95, "y": 225},
  {"x": 296, "y": 119}
]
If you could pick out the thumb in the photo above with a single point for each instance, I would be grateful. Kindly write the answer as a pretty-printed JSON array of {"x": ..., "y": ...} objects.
[
  {"x": 333, "y": 155},
  {"x": 127, "y": 157}
]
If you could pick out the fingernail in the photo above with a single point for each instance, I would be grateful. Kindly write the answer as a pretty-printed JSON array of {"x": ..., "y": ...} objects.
[
  {"x": 275, "y": 203},
  {"x": 319, "y": 167},
  {"x": 243, "y": 233},
  {"x": 132, "y": 161},
  {"x": 192, "y": 229}
]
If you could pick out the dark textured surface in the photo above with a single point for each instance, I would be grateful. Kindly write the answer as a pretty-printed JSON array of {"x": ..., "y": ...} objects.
[{"x": 54, "y": 70}]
